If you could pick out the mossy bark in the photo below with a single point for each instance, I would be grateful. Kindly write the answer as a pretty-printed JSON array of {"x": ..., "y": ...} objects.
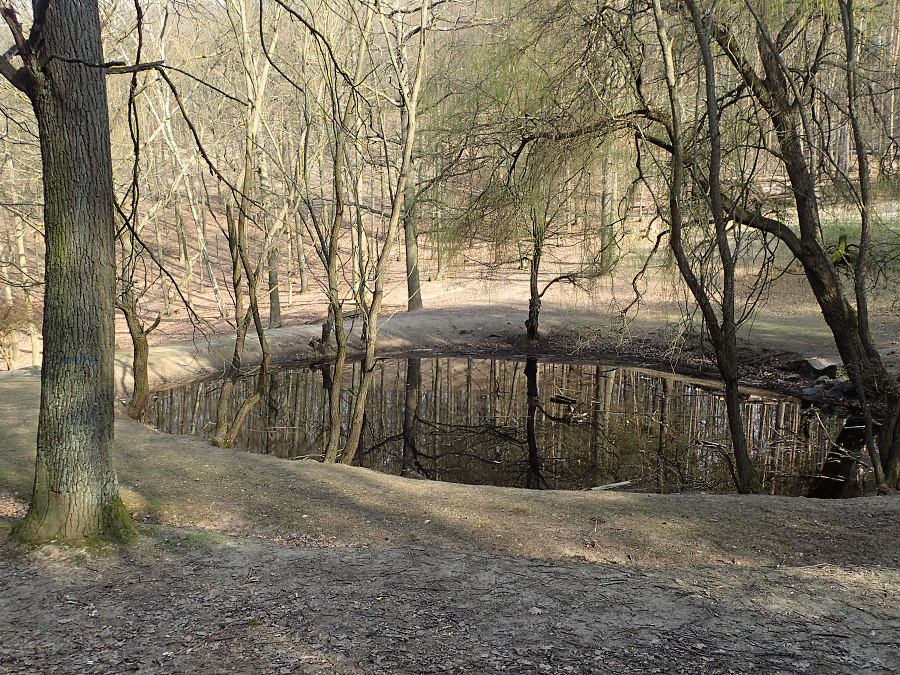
[{"x": 76, "y": 492}]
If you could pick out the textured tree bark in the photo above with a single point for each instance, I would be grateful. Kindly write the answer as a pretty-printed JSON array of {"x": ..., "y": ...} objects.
[{"x": 76, "y": 493}]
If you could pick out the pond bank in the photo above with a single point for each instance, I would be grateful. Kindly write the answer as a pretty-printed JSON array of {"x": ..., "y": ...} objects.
[{"x": 482, "y": 331}]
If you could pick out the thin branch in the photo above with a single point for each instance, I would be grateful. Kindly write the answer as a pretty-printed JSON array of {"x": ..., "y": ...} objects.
[
  {"x": 321, "y": 39},
  {"x": 206, "y": 84},
  {"x": 202, "y": 150},
  {"x": 136, "y": 68}
]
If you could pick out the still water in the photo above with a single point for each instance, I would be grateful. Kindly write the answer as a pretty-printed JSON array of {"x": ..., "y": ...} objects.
[{"x": 523, "y": 423}]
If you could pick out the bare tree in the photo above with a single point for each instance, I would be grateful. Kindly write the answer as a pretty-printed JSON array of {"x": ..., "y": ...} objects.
[
  {"x": 721, "y": 325},
  {"x": 782, "y": 97},
  {"x": 410, "y": 91},
  {"x": 256, "y": 70}
]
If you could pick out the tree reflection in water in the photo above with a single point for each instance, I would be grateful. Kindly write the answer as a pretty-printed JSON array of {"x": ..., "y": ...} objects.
[{"x": 533, "y": 424}]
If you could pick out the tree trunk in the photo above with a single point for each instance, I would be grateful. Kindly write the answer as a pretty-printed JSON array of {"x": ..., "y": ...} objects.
[
  {"x": 864, "y": 203},
  {"x": 76, "y": 493},
  {"x": 272, "y": 231},
  {"x": 187, "y": 262},
  {"x": 226, "y": 437},
  {"x": 128, "y": 304},
  {"x": 330, "y": 259},
  {"x": 140, "y": 398},
  {"x": 256, "y": 81},
  {"x": 609, "y": 246},
  {"x": 274, "y": 296},
  {"x": 532, "y": 326},
  {"x": 722, "y": 330},
  {"x": 202, "y": 249},
  {"x": 848, "y": 324},
  {"x": 410, "y": 95},
  {"x": 302, "y": 265},
  {"x": 411, "y": 238},
  {"x": 335, "y": 320},
  {"x": 223, "y": 436}
]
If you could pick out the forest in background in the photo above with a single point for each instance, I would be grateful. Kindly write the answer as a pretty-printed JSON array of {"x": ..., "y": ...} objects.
[{"x": 264, "y": 149}]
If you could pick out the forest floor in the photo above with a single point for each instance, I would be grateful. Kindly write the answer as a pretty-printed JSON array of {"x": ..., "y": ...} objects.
[{"x": 250, "y": 564}]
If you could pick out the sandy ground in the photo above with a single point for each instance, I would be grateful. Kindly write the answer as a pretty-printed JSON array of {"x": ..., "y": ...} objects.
[{"x": 249, "y": 564}]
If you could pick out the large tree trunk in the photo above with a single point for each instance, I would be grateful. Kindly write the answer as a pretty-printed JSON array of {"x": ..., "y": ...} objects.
[{"x": 76, "y": 494}]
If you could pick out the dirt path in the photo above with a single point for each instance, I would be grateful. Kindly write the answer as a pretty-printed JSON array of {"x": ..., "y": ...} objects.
[
  {"x": 249, "y": 564},
  {"x": 181, "y": 602}
]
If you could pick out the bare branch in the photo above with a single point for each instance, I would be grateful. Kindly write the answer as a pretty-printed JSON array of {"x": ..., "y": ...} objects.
[{"x": 136, "y": 68}]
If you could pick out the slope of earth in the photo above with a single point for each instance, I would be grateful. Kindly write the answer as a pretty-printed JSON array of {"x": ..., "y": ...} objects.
[{"x": 249, "y": 564}]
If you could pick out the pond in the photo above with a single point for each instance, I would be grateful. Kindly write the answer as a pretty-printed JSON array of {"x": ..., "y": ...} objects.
[{"x": 523, "y": 423}]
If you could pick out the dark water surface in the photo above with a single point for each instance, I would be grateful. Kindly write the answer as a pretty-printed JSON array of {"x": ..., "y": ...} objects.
[{"x": 523, "y": 423}]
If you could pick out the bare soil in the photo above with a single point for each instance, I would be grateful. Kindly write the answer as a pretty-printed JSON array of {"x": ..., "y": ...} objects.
[{"x": 250, "y": 564}]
